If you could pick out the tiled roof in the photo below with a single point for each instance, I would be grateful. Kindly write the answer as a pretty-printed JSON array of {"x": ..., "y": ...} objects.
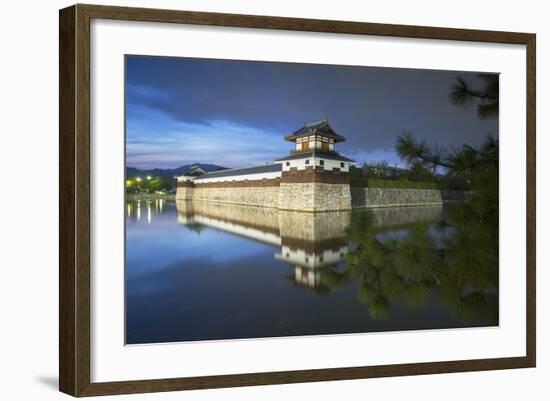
[
  {"x": 267, "y": 168},
  {"x": 319, "y": 127},
  {"x": 324, "y": 155},
  {"x": 193, "y": 171}
]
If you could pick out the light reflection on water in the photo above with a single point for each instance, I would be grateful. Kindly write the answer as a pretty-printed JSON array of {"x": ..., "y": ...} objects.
[{"x": 198, "y": 271}]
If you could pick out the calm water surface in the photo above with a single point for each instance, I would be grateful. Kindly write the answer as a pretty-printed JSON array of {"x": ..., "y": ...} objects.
[{"x": 204, "y": 271}]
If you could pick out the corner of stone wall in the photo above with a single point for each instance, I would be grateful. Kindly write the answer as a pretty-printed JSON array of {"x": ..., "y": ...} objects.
[
  {"x": 332, "y": 197},
  {"x": 184, "y": 193},
  {"x": 296, "y": 196}
]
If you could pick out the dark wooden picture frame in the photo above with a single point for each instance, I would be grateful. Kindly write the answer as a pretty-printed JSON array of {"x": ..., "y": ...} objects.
[{"x": 74, "y": 199}]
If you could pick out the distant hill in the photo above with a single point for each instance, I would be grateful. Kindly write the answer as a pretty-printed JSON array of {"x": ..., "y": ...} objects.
[{"x": 169, "y": 173}]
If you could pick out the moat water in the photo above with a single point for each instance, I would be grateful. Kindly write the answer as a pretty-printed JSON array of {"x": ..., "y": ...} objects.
[{"x": 205, "y": 271}]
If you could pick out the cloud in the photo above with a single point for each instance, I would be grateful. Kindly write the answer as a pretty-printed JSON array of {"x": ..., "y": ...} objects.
[
  {"x": 145, "y": 92},
  {"x": 235, "y": 113},
  {"x": 154, "y": 139}
]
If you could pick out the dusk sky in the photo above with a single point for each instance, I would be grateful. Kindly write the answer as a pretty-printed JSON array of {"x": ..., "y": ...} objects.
[{"x": 235, "y": 113}]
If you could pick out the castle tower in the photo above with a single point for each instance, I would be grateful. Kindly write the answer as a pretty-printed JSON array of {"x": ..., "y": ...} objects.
[
  {"x": 314, "y": 177},
  {"x": 185, "y": 185}
]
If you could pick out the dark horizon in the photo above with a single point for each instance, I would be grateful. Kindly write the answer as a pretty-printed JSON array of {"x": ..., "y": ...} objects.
[{"x": 235, "y": 113}]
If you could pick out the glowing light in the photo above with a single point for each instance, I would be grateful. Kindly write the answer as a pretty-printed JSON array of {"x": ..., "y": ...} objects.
[
  {"x": 138, "y": 179},
  {"x": 149, "y": 177}
]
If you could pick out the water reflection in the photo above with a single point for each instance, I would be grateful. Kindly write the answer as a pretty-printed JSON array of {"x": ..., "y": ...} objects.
[
  {"x": 455, "y": 259},
  {"x": 312, "y": 244},
  {"x": 306, "y": 241},
  {"x": 152, "y": 207},
  {"x": 375, "y": 270}
]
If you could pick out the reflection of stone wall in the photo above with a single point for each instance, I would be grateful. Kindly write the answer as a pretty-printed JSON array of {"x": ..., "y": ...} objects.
[
  {"x": 314, "y": 227},
  {"x": 252, "y": 196},
  {"x": 300, "y": 225},
  {"x": 315, "y": 196},
  {"x": 308, "y": 240},
  {"x": 250, "y": 216},
  {"x": 396, "y": 216},
  {"x": 291, "y": 225},
  {"x": 385, "y": 197}
]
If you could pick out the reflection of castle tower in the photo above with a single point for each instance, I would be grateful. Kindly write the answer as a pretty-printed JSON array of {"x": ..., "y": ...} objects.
[
  {"x": 314, "y": 177},
  {"x": 305, "y": 241},
  {"x": 307, "y": 258}
]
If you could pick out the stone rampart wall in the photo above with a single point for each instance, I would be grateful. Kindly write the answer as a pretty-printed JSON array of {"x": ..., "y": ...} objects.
[
  {"x": 315, "y": 196},
  {"x": 296, "y": 196},
  {"x": 184, "y": 192},
  {"x": 386, "y": 197},
  {"x": 267, "y": 196},
  {"x": 329, "y": 197}
]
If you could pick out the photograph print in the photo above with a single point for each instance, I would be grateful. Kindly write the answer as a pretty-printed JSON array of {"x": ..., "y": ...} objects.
[{"x": 270, "y": 199}]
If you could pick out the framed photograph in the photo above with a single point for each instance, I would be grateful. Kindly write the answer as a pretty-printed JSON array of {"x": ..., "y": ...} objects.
[{"x": 250, "y": 200}]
